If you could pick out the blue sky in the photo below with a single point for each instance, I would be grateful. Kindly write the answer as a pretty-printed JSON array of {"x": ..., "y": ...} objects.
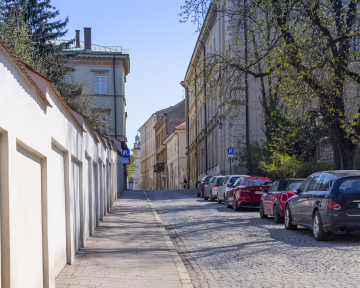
[{"x": 160, "y": 48}]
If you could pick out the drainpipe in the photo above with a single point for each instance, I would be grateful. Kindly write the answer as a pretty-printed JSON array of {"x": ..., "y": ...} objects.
[
  {"x": 178, "y": 146},
  {"x": 114, "y": 96},
  {"x": 196, "y": 133},
  {"x": 182, "y": 83},
  {"x": 246, "y": 77},
  {"x": 205, "y": 112}
]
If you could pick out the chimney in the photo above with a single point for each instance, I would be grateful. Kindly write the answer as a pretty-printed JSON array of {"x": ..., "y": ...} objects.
[
  {"x": 77, "y": 38},
  {"x": 87, "y": 38}
]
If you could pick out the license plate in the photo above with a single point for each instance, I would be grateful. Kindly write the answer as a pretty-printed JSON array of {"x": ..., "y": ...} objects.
[
  {"x": 259, "y": 192},
  {"x": 358, "y": 205}
]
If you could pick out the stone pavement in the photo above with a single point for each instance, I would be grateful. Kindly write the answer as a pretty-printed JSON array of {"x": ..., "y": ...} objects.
[{"x": 129, "y": 249}]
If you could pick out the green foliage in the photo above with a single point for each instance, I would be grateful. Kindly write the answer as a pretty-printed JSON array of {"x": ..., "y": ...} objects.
[
  {"x": 130, "y": 167},
  {"x": 28, "y": 27}
]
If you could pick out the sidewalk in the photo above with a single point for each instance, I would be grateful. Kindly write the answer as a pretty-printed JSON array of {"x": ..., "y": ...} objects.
[{"x": 127, "y": 250}]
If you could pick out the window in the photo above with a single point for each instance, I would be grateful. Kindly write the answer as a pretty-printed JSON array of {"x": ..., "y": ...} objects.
[
  {"x": 305, "y": 184},
  {"x": 275, "y": 186},
  {"x": 315, "y": 183},
  {"x": 324, "y": 184},
  {"x": 100, "y": 85}
]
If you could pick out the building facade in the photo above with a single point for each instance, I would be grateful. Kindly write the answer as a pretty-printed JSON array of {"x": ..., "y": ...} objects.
[
  {"x": 176, "y": 157},
  {"x": 214, "y": 124},
  {"x": 168, "y": 121},
  {"x": 148, "y": 152},
  {"x": 102, "y": 70}
]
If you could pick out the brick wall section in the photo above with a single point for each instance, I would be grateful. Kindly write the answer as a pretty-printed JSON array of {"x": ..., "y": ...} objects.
[
  {"x": 326, "y": 150},
  {"x": 87, "y": 36}
]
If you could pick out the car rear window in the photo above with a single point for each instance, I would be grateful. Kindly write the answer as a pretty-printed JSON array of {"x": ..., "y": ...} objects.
[
  {"x": 257, "y": 182},
  {"x": 207, "y": 179},
  {"x": 219, "y": 180},
  {"x": 347, "y": 186},
  {"x": 233, "y": 180}
]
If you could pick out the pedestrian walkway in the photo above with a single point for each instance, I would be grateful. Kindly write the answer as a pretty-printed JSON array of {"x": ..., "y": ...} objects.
[{"x": 127, "y": 250}]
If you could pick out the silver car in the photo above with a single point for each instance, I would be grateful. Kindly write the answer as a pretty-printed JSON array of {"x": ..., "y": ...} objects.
[
  {"x": 212, "y": 189},
  {"x": 227, "y": 184}
]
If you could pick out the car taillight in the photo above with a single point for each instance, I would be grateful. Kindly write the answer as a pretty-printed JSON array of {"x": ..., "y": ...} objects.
[
  {"x": 228, "y": 185},
  {"x": 284, "y": 197},
  {"x": 216, "y": 185},
  {"x": 333, "y": 205}
]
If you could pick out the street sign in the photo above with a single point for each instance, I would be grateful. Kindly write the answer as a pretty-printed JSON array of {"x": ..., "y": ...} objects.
[
  {"x": 126, "y": 161},
  {"x": 230, "y": 151},
  {"x": 125, "y": 153}
]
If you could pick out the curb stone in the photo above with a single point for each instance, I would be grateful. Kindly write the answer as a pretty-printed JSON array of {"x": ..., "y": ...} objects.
[{"x": 183, "y": 274}]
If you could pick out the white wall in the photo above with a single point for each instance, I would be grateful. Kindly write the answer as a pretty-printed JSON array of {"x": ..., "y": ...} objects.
[{"x": 50, "y": 186}]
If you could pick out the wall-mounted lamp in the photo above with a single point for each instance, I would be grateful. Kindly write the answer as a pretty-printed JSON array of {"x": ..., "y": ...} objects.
[{"x": 220, "y": 125}]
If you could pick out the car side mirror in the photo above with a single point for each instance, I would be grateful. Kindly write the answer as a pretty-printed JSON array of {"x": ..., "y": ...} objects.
[
  {"x": 297, "y": 191},
  {"x": 266, "y": 190}
]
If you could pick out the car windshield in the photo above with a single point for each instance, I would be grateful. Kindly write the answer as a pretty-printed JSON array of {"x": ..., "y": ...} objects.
[
  {"x": 233, "y": 180},
  {"x": 257, "y": 182},
  {"x": 293, "y": 185},
  {"x": 348, "y": 186}
]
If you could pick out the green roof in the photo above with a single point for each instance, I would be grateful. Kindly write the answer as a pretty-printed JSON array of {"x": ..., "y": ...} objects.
[{"x": 94, "y": 48}]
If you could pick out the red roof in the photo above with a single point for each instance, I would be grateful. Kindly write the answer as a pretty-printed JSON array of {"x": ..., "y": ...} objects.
[{"x": 181, "y": 126}]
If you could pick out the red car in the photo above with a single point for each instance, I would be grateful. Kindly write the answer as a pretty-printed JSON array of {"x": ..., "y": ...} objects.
[
  {"x": 273, "y": 201},
  {"x": 247, "y": 192}
]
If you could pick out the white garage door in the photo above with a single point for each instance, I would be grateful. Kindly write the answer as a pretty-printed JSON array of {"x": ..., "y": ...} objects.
[
  {"x": 28, "y": 246},
  {"x": 57, "y": 175}
]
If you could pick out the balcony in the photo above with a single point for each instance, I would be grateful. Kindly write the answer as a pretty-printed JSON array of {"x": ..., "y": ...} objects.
[{"x": 159, "y": 167}]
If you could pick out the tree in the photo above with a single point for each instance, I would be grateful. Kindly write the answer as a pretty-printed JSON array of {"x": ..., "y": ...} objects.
[
  {"x": 316, "y": 44},
  {"x": 130, "y": 167},
  {"x": 27, "y": 27}
]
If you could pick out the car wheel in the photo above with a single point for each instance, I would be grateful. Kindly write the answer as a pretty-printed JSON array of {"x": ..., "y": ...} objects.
[
  {"x": 236, "y": 207},
  {"x": 318, "y": 231},
  {"x": 262, "y": 212},
  {"x": 205, "y": 198},
  {"x": 198, "y": 194},
  {"x": 288, "y": 219},
  {"x": 218, "y": 200},
  {"x": 277, "y": 217},
  {"x": 226, "y": 202}
]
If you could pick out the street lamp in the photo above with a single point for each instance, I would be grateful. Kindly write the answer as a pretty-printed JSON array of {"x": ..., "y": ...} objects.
[{"x": 318, "y": 117}]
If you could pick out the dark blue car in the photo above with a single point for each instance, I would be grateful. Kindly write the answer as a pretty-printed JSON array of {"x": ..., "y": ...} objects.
[{"x": 326, "y": 202}]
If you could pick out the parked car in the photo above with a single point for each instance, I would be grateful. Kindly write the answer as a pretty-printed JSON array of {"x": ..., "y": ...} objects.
[
  {"x": 273, "y": 201},
  {"x": 326, "y": 202},
  {"x": 226, "y": 185},
  {"x": 204, "y": 182},
  {"x": 247, "y": 192},
  {"x": 212, "y": 189}
]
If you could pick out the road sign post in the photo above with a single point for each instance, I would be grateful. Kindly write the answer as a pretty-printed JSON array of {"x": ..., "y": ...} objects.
[{"x": 230, "y": 155}]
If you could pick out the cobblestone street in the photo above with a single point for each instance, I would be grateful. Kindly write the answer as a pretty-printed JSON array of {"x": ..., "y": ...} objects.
[{"x": 224, "y": 248}]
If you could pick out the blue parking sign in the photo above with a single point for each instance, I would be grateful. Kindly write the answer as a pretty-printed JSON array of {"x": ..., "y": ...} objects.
[
  {"x": 230, "y": 151},
  {"x": 125, "y": 153}
]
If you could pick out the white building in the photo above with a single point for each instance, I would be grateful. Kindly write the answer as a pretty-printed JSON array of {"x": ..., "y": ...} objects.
[
  {"x": 57, "y": 177},
  {"x": 176, "y": 157}
]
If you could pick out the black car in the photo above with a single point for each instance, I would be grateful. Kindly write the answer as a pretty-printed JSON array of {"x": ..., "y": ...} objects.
[
  {"x": 201, "y": 187},
  {"x": 326, "y": 202}
]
